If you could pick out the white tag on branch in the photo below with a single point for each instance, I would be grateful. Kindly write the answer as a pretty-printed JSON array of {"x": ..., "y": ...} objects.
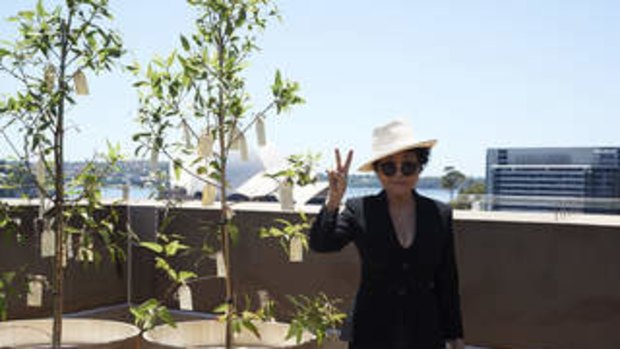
[
  {"x": 69, "y": 247},
  {"x": 260, "y": 132},
  {"x": 48, "y": 245},
  {"x": 125, "y": 190},
  {"x": 81, "y": 86},
  {"x": 35, "y": 291},
  {"x": 220, "y": 264},
  {"x": 286, "y": 196},
  {"x": 263, "y": 298},
  {"x": 243, "y": 147},
  {"x": 154, "y": 164},
  {"x": 208, "y": 194},
  {"x": 17, "y": 221},
  {"x": 205, "y": 145},
  {"x": 296, "y": 250},
  {"x": 185, "y": 297},
  {"x": 50, "y": 76}
]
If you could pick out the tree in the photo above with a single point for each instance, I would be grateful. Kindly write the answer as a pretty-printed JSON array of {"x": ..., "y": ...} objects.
[
  {"x": 474, "y": 187},
  {"x": 55, "y": 50},
  {"x": 452, "y": 180},
  {"x": 199, "y": 92}
]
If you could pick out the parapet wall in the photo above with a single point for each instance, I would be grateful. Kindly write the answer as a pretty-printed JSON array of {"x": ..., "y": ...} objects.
[{"x": 527, "y": 281}]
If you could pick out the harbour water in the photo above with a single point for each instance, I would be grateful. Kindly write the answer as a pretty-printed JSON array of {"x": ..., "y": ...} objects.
[{"x": 141, "y": 193}]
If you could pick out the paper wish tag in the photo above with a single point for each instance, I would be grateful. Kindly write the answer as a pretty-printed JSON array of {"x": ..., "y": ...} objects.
[
  {"x": 243, "y": 147},
  {"x": 296, "y": 250},
  {"x": 35, "y": 291},
  {"x": 185, "y": 297},
  {"x": 286, "y": 197},
  {"x": 48, "y": 245},
  {"x": 263, "y": 298},
  {"x": 208, "y": 194},
  {"x": 260, "y": 132},
  {"x": 81, "y": 86},
  {"x": 205, "y": 145},
  {"x": 220, "y": 264},
  {"x": 125, "y": 190}
]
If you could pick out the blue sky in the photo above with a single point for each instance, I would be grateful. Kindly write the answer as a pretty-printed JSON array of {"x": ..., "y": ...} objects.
[{"x": 473, "y": 74}]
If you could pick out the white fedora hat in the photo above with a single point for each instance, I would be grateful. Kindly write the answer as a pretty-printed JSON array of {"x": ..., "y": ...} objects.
[{"x": 392, "y": 138}]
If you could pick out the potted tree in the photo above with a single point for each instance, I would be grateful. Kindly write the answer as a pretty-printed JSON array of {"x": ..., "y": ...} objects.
[
  {"x": 56, "y": 49},
  {"x": 195, "y": 110}
]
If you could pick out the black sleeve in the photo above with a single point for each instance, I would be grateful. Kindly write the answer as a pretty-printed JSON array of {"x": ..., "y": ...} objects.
[
  {"x": 332, "y": 231},
  {"x": 447, "y": 283}
]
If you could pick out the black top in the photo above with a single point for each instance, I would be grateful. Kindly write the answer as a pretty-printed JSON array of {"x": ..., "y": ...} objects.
[{"x": 406, "y": 293}]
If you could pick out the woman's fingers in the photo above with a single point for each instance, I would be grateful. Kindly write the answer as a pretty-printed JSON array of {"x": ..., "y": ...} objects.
[
  {"x": 347, "y": 163},
  {"x": 338, "y": 160},
  {"x": 340, "y": 167}
]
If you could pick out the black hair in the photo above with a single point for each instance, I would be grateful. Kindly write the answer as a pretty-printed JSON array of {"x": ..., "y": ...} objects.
[{"x": 423, "y": 154}]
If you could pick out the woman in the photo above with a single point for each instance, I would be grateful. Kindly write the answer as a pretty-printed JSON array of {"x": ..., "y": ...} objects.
[{"x": 408, "y": 296}]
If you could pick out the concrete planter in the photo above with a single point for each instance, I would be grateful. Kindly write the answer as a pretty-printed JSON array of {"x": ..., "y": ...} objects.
[
  {"x": 210, "y": 334},
  {"x": 77, "y": 333}
]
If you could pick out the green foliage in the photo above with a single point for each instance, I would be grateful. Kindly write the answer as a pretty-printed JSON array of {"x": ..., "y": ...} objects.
[
  {"x": 474, "y": 187},
  {"x": 6, "y": 291},
  {"x": 287, "y": 232},
  {"x": 55, "y": 50},
  {"x": 315, "y": 315},
  {"x": 247, "y": 319},
  {"x": 165, "y": 248},
  {"x": 300, "y": 170},
  {"x": 150, "y": 314},
  {"x": 195, "y": 108},
  {"x": 10, "y": 225},
  {"x": 452, "y": 179}
]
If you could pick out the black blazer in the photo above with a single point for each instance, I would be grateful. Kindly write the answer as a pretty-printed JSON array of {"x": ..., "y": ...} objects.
[{"x": 406, "y": 293}]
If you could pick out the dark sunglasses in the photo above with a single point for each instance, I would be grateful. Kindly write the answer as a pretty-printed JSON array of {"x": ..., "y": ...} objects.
[{"x": 407, "y": 168}]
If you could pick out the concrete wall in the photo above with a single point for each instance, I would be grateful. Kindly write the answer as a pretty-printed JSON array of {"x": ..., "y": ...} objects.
[
  {"x": 527, "y": 281},
  {"x": 87, "y": 285}
]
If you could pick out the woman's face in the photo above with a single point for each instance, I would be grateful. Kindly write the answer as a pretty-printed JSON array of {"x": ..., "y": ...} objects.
[{"x": 398, "y": 173}]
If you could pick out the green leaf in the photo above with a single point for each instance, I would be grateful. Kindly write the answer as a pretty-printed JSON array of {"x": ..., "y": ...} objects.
[
  {"x": 4, "y": 52},
  {"x": 185, "y": 43},
  {"x": 173, "y": 247},
  {"x": 248, "y": 324},
  {"x": 153, "y": 246},
  {"x": 185, "y": 275},
  {"x": 40, "y": 9}
]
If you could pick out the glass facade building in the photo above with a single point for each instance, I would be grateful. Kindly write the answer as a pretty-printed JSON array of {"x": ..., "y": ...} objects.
[{"x": 557, "y": 179}]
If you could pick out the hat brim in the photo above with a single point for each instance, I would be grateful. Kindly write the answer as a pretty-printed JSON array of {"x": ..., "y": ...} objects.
[{"x": 368, "y": 165}]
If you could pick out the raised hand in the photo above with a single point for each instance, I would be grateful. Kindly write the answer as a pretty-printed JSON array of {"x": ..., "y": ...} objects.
[{"x": 338, "y": 180}]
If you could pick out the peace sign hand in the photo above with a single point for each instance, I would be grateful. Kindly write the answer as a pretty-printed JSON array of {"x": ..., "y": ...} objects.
[{"x": 338, "y": 180}]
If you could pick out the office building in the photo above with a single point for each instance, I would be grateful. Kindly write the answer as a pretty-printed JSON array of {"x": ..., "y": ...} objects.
[{"x": 557, "y": 179}]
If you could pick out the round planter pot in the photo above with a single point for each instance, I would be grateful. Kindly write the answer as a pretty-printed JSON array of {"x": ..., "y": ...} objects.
[
  {"x": 76, "y": 333},
  {"x": 211, "y": 333}
]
